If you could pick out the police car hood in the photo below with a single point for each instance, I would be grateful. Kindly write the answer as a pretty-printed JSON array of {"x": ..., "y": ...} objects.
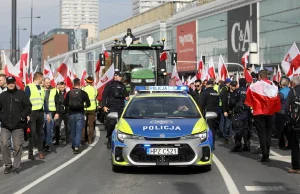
[{"x": 167, "y": 128}]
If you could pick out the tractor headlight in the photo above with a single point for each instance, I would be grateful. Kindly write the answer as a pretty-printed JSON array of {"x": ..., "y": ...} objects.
[
  {"x": 136, "y": 80},
  {"x": 150, "y": 80}
]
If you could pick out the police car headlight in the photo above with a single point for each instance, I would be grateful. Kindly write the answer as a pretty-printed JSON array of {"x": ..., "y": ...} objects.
[
  {"x": 202, "y": 136},
  {"x": 150, "y": 80},
  {"x": 136, "y": 80},
  {"x": 122, "y": 136}
]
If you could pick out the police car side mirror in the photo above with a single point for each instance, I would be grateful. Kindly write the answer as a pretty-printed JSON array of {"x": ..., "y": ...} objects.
[
  {"x": 211, "y": 115},
  {"x": 113, "y": 115}
]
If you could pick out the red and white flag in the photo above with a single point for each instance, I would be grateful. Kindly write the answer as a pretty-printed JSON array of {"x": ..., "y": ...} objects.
[
  {"x": 275, "y": 75},
  {"x": 107, "y": 77},
  {"x": 222, "y": 69},
  {"x": 176, "y": 76},
  {"x": 253, "y": 69},
  {"x": 11, "y": 70},
  {"x": 291, "y": 61},
  {"x": 263, "y": 97},
  {"x": 48, "y": 73},
  {"x": 200, "y": 68},
  {"x": 106, "y": 55},
  {"x": 63, "y": 72},
  {"x": 192, "y": 80},
  {"x": 247, "y": 74},
  {"x": 205, "y": 75},
  {"x": 278, "y": 74},
  {"x": 163, "y": 56},
  {"x": 24, "y": 61},
  {"x": 211, "y": 69},
  {"x": 82, "y": 80}
]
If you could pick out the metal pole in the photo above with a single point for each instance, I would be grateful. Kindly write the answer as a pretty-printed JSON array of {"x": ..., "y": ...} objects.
[
  {"x": 14, "y": 31},
  {"x": 30, "y": 52},
  {"x": 19, "y": 42}
]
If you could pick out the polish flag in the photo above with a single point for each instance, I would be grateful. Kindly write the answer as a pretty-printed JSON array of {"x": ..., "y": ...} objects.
[
  {"x": 11, "y": 70},
  {"x": 176, "y": 76},
  {"x": 222, "y": 70},
  {"x": 263, "y": 97},
  {"x": 279, "y": 74},
  {"x": 204, "y": 74},
  {"x": 247, "y": 74},
  {"x": 291, "y": 61},
  {"x": 82, "y": 80},
  {"x": 24, "y": 61},
  {"x": 63, "y": 72},
  {"x": 261, "y": 66},
  {"x": 182, "y": 79},
  {"x": 200, "y": 68},
  {"x": 275, "y": 77},
  {"x": 106, "y": 55},
  {"x": 211, "y": 69},
  {"x": 107, "y": 77},
  {"x": 192, "y": 80},
  {"x": 48, "y": 73},
  {"x": 70, "y": 75},
  {"x": 253, "y": 69}
]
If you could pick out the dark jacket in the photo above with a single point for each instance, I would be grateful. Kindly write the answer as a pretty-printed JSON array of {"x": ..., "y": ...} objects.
[
  {"x": 224, "y": 92},
  {"x": 85, "y": 99},
  {"x": 283, "y": 94},
  {"x": 208, "y": 101},
  {"x": 291, "y": 97},
  {"x": 196, "y": 94},
  {"x": 114, "y": 95},
  {"x": 60, "y": 108},
  {"x": 15, "y": 106}
]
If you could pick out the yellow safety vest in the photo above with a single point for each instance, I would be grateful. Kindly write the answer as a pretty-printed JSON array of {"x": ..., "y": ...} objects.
[
  {"x": 220, "y": 103},
  {"x": 51, "y": 100},
  {"x": 92, "y": 93},
  {"x": 36, "y": 98},
  {"x": 216, "y": 88}
]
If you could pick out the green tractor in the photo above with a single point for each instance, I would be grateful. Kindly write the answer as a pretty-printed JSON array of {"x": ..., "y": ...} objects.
[{"x": 140, "y": 64}]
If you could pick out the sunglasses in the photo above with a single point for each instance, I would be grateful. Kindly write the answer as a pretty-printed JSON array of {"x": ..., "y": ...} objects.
[{"x": 197, "y": 85}]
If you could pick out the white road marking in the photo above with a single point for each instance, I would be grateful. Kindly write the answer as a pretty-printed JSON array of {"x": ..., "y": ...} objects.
[
  {"x": 231, "y": 187},
  {"x": 282, "y": 158},
  {"x": 264, "y": 188},
  {"x": 275, "y": 154},
  {"x": 29, "y": 186}
]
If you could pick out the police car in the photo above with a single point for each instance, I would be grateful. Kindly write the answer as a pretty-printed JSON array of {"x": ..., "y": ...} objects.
[{"x": 161, "y": 125}]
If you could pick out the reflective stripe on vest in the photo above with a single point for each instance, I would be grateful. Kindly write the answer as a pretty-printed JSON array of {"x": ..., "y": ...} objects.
[
  {"x": 36, "y": 98},
  {"x": 51, "y": 100},
  {"x": 92, "y": 93}
]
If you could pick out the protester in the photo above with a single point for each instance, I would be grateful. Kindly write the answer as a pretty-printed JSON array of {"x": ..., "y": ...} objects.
[{"x": 15, "y": 107}]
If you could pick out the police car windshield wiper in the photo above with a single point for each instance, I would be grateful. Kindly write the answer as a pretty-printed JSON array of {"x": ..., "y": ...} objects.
[
  {"x": 175, "y": 117},
  {"x": 137, "y": 117}
]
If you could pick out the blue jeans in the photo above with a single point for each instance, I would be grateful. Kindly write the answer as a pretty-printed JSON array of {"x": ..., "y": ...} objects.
[
  {"x": 76, "y": 124},
  {"x": 227, "y": 131},
  {"x": 48, "y": 130}
]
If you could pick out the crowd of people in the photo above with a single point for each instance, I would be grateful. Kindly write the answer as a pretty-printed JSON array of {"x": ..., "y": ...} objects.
[
  {"x": 36, "y": 114},
  {"x": 268, "y": 109}
]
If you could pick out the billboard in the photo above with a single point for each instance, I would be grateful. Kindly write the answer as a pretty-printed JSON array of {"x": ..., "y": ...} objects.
[
  {"x": 186, "y": 47},
  {"x": 239, "y": 31}
]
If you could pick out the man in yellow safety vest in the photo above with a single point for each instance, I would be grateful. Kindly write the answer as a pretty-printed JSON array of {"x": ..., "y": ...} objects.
[
  {"x": 90, "y": 112},
  {"x": 36, "y": 96}
]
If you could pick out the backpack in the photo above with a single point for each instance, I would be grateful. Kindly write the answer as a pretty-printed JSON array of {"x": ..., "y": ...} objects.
[
  {"x": 75, "y": 99},
  {"x": 296, "y": 111}
]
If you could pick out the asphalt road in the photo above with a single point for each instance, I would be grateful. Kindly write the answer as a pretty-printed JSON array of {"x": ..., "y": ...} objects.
[{"x": 90, "y": 172}]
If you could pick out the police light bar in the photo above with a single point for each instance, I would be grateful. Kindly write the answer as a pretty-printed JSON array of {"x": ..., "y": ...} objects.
[{"x": 151, "y": 89}]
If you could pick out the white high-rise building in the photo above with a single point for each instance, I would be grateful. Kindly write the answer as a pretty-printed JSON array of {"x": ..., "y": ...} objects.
[
  {"x": 77, "y": 13},
  {"x": 140, "y": 6}
]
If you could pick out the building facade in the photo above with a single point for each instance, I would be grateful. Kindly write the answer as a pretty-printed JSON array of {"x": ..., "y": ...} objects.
[
  {"x": 216, "y": 28},
  {"x": 140, "y": 6},
  {"x": 75, "y": 13}
]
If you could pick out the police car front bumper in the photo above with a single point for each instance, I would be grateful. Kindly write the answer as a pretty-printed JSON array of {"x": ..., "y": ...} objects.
[{"x": 191, "y": 152}]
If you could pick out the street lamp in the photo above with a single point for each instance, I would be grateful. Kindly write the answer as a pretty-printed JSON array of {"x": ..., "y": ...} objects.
[{"x": 19, "y": 51}]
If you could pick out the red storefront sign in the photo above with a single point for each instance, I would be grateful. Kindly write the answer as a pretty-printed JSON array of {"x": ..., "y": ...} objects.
[{"x": 186, "y": 47}]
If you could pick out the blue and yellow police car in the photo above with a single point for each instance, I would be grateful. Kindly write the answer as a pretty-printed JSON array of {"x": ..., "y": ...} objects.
[{"x": 161, "y": 125}]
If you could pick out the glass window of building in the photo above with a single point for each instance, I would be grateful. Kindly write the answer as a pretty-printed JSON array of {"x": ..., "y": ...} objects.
[
  {"x": 279, "y": 29},
  {"x": 212, "y": 37}
]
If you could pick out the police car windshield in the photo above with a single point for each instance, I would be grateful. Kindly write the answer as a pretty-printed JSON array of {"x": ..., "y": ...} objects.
[{"x": 161, "y": 107}]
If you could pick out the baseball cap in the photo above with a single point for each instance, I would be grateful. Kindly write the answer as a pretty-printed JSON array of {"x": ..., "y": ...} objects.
[
  {"x": 118, "y": 73},
  {"x": 89, "y": 79},
  {"x": 228, "y": 80},
  {"x": 10, "y": 80}
]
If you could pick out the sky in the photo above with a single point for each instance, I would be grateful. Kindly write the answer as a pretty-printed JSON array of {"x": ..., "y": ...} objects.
[{"x": 110, "y": 12}]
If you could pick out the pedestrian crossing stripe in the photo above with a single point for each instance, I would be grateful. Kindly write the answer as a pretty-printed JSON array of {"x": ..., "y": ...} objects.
[{"x": 264, "y": 188}]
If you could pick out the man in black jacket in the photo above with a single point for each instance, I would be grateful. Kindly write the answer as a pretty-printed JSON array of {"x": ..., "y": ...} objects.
[
  {"x": 209, "y": 102},
  {"x": 15, "y": 108}
]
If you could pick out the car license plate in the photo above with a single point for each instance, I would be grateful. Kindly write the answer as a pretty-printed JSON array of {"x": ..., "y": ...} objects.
[{"x": 162, "y": 151}]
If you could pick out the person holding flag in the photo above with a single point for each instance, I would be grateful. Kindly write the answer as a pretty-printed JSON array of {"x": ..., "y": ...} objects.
[{"x": 263, "y": 97}]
